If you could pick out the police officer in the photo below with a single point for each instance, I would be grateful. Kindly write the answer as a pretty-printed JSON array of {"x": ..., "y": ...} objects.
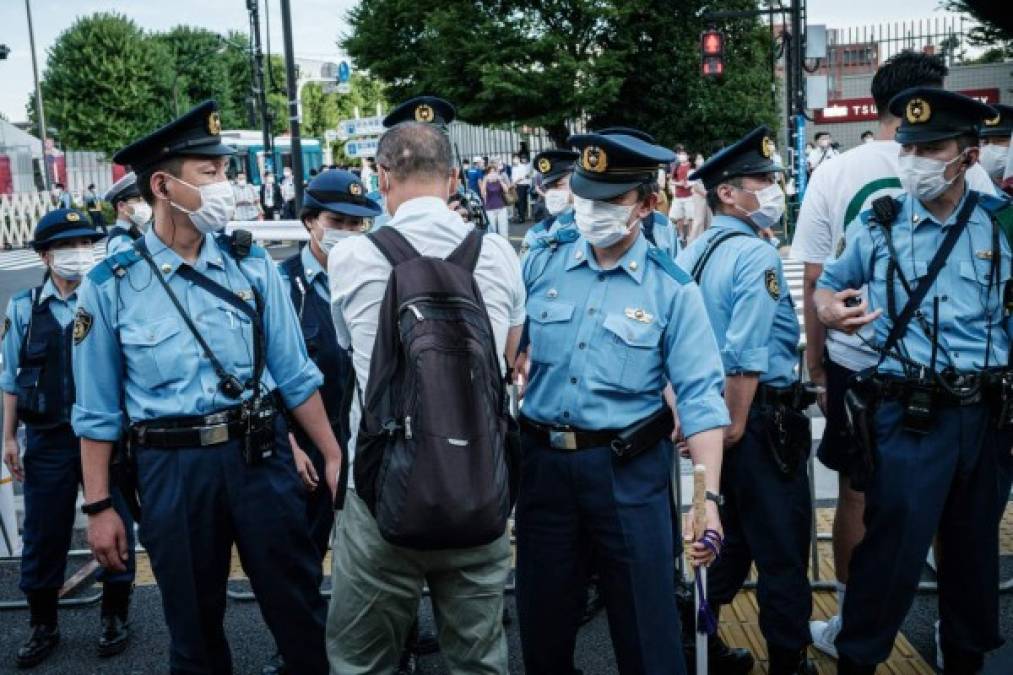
[
  {"x": 335, "y": 206},
  {"x": 190, "y": 342},
  {"x": 39, "y": 391},
  {"x": 426, "y": 109},
  {"x": 611, "y": 319},
  {"x": 555, "y": 167},
  {"x": 132, "y": 214},
  {"x": 995, "y": 135},
  {"x": 93, "y": 205},
  {"x": 935, "y": 414},
  {"x": 767, "y": 508}
]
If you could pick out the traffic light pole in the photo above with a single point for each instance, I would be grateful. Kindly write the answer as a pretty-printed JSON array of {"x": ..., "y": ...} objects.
[
  {"x": 259, "y": 90},
  {"x": 39, "y": 110},
  {"x": 293, "y": 103}
]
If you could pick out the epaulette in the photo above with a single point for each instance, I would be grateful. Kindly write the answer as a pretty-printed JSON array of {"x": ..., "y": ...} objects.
[
  {"x": 541, "y": 226},
  {"x": 665, "y": 262},
  {"x": 114, "y": 265},
  {"x": 240, "y": 245},
  {"x": 24, "y": 294}
]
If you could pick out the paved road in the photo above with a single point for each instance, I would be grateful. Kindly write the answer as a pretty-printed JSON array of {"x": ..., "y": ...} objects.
[{"x": 251, "y": 644}]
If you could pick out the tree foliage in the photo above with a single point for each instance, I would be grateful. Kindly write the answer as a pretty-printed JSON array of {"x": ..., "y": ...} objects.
[
  {"x": 548, "y": 62},
  {"x": 994, "y": 28},
  {"x": 321, "y": 111}
]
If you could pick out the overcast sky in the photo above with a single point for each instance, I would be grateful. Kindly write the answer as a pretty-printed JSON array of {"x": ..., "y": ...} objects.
[{"x": 317, "y": 24}]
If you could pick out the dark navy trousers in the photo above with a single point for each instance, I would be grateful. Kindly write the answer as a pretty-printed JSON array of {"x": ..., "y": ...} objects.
[
  {"x": 195, "y": 504},
  {"x": 571, "y": 503},
  {"x": 955, "y": 480},
  {"x": 52, "y": 465},
  {"x": 766, "y": 520}
]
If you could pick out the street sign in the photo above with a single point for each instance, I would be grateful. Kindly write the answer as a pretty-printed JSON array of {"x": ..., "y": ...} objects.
[
  {"x": 330, "y": 135},
  {"x": 343, "y": 88},
  {"x": 364, "y": 126},
  {"x": 363, "y": 147},
  {"x": 344, "y": 72}
]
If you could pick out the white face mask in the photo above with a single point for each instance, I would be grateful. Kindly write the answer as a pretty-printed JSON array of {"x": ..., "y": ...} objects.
[
  {"x": 923, "y": 177},
  {"x": 73, "y": 263},
  {"x": 993, "y": 159},
  {"x": 682, "y": 157},
  {"x": 556, "y": 200},
  {"x": 601, "y": 223},
  {"x": 332, "y": 237},
  {"x": 141, "y": 214},
  {"x": 771, "y": 201},
  {"x": 217, "y": 207}
]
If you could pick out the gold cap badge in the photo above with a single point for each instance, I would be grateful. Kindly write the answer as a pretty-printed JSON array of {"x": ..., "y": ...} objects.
[
  {"x": 214, "y": 124},
  {"x": 994, "y": 121},
  {"x": 424, "y": 113},
  {"x": 355, "y": 189},
  {"x": 594, "y": 159},
  {"x": 767, "y": 147},
  {"x": 918, "y": 111},
  {"x": 72, "y": 217},
  {"x": 544, "y": 165}
]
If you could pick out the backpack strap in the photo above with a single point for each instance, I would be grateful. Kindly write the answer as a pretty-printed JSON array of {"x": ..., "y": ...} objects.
[
  {"x": 467, "y": 252},
  {"x": 393, "y": 245}
]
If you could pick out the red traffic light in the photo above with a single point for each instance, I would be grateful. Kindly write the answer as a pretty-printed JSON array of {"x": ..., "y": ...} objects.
[
  {"x": 712, "y": 66},
  {"x": 712, "y": 43}
]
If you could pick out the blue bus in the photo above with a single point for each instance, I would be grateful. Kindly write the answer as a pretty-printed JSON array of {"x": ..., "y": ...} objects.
[{"x": 249, "y": 157}]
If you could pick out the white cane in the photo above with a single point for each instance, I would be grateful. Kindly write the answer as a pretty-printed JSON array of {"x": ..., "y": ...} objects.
[{"x": 700, "y": 589}]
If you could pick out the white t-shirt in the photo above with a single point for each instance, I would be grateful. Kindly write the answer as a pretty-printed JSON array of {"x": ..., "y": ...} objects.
[
  {"x": 521, "y": 174},
  {"x": 358, "y": 274},
  {"x": 838, "y": 191},
  {"x": 819, "y": 156}
]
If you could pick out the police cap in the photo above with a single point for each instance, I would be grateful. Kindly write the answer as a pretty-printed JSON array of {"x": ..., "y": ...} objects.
[
  {"x": 751, "y": 155},
  {"x": 123, "y": 189},
  {"x": 195, "y": 133},
  {"x": 613, "y": 164},
  {"x": 554, "y": 164},
  {"x": 340, "y": 191},
  {"x": 928, "y": 114},
  {"x": 1001, "y": 124},
  {"x": 63, "y": 224},
  {"x": 425, "y": 109}
]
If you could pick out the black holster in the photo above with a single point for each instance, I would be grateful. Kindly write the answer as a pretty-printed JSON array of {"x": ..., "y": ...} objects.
[
  {"x": 123, "y": 475},
  {"x": 789, "y": 436},
  {"x": 643, "y": 435},
  {"x": 860, "y": 402}
]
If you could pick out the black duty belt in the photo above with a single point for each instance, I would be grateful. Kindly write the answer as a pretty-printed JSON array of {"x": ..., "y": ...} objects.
[
  {"x": 959, "y": 390},
  {"x": 566, "y": 438},
  {"x": 795, "y": 396},
  {"x": 194, "y": 431}
]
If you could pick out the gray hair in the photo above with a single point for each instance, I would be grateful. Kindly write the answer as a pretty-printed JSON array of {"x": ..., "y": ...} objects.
[{"x": 415, "y": 150}]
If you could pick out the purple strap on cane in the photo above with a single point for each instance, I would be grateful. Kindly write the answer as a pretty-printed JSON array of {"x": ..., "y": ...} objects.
[{"x": 706, "y": 622}]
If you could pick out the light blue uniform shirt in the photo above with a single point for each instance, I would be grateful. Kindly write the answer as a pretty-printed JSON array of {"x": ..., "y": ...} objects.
[
  {"x": 546, "y": 228},
  {"x": 748, "y": 302},
  {"x": 115, "y": 245},
  {"x": 664, "y": 234},
  {"x": 604, "y": 342},
  {"x": 19, "y": 315},
  {"x": 138, "y": 356},
  {"x": 315, "y": 273},
  {"x": 966, "y": 306}
]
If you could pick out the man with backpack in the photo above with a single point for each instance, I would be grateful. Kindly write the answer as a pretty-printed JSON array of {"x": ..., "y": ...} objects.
[{"x": 429, "y": 308}]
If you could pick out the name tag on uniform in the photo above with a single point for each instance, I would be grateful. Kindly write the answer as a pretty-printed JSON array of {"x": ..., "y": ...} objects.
[
  {"x": 983, "y": 255},
  {"x": 639, "y": 315}
]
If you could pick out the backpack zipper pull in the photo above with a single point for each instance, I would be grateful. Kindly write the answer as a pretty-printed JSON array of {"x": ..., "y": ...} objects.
[
  {"x": 408, "y": 428},
  {"x": 416, "y": 312}
]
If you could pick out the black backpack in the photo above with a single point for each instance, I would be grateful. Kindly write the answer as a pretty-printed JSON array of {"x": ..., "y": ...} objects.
[{"x": 431, "y": 459}]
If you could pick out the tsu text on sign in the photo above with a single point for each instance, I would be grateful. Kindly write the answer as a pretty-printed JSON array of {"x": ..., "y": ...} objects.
[
  {"x": 864, "y": 109},
  {"x": 365, "y": 147}
]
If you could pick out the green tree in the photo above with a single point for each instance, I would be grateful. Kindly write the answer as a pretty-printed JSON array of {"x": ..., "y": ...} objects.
[
  {"x": 993, "y": 25},
  {"x": 95, "y": 101},
  {"x": 323, "y": 111},
  {"x": 548, "y": 62}
]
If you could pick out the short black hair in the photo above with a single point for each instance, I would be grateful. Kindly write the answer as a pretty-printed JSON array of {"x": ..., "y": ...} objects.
[
  {"x": 820, "y": 134},
  {"x": 965, "y": 141},
  {"x": 58, "y": 185},
  {"x": 172, "y": 166},
  {"x": 904, "y": 70},
  {"x": 867, "y": 132},
  {"x": 308, "y": 213},
  {"x": 91, "y": 186},
  {"x": 713, "y": 200}
]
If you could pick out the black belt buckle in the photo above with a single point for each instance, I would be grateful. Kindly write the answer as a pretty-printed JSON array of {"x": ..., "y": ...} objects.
[
  {"x": 919, "y": 407},
  {"x": 258, "y": 422}
]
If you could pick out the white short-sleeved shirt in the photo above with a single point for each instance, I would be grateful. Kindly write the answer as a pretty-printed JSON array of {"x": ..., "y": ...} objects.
[
  {"x": 840, "y": 189},
  {"x": 358, "y": 275}
]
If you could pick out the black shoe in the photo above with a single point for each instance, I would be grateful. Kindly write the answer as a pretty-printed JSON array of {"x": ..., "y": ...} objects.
[
  {"x": 725, "y": 660},
  {"x": 426, "y": 643},
  {"x": 39, "y": 646},
  {"x": 275, "y": 666},
  {"x": 115, "y": 635},
  {"x": 790, "y": 662},
  {"x": 846, "y": 666},
  {"x": 593, "y": 603},
  {"x": 409, "y": 663}
]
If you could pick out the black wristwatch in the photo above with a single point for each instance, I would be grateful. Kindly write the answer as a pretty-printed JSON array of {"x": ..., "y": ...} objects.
[
  {"x": 97, "y": 507},
  {"x": 718, "y": 499}
]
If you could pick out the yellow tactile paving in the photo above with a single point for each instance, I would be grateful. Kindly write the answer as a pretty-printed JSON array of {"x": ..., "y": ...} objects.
[{"x": 740, "y": 623}]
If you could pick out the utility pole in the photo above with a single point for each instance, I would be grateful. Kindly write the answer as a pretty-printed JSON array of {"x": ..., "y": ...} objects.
[
  {"x": 39, "y": 111},
  {"x": 293, "y": 102},
  {"x": 259, "y": 90}
]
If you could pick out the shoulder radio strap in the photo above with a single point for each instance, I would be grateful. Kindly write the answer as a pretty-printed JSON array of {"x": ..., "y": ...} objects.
[
  {"x": 919, "y": 292},
  {"x": 705, "y": 257}
]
